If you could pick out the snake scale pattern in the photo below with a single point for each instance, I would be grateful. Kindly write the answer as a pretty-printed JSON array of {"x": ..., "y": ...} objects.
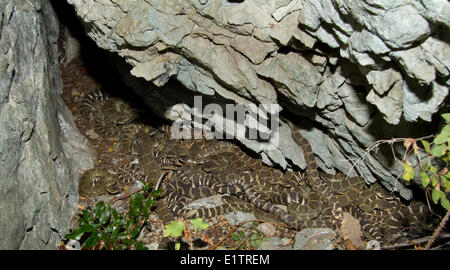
[
  {"x": 251, "y": 186},
  {"x": 61, "y": 42},
  {"x": 190, "y": 169}
]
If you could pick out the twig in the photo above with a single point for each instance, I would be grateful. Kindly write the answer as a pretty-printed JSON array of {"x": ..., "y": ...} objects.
[
  {"x": 189, "y": 147},
  {"x": 124, "y": 196},
  {"x": 379, "y": 142},
  {"x": 438, "y": 230},
  {"x": 229, "y": 233},
  {"x": 247, "y": 241},
  {"x": 243, "y": 223},
  {"x": 415, "y": 242},
  {"x": 188, "y": 236}
]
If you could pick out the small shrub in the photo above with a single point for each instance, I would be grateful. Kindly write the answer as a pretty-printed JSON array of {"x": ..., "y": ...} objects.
[
  {"x": 178, "y": 228},
  {"x": 252, "y": 239},
  {"x": 438, "y": 181},
  {"x": 105, "y": 228}
]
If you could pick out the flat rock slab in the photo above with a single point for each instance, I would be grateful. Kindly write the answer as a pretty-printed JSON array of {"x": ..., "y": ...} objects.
[
  {"x": 275, "y": 243},
  {"x": 314, "y": 239},
  {"x": 267, "y": 228},
  {"x": 235, "y": 218}
]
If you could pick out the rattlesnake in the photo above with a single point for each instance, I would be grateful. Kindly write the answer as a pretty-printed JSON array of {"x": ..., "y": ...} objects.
[
  {"x": 246, "y": 178},
  {"x": 326, "y": 200},
  {"x": 208, "y": 167},
  {"x": 96, "y": 182},
  {"x": 111, "y": 115},
  {"x": 385, "y": 214},
  {"x": 61, "y": 42},
  {"x": 114, "y": 120},
  {"x": 247, "y": 185}
]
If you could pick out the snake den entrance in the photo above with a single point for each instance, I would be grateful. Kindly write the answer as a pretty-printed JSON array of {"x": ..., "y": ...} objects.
[{"x": 150, "y": 191}]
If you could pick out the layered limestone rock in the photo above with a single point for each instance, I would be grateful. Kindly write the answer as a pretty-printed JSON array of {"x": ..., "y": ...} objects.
[
  {"x": 41, "y": 151},
  {"x": 352, "y": 72},
  {"x": 391, "y": 42}
]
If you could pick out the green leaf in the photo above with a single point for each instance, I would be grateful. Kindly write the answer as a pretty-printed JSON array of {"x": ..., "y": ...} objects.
[
  {"x": 105, "y": 237},
  {"x": 105, "y": 215},
  {"x": 409, "y": 172},
  {"x": 140, "y": 246},
  {"x": 136, "y": 205},
  {"x": 446, "y": 130},
  {"x": 199, "y": 224},
  {"x": 115, "y": 231},
  {"x": 156, "y": 193},
  {"x": 119, "y": 247},
  {"x": 438, "y": 150},
  {"x": 102, "y": 212},
  {"x": 434, "y": 180},
  {"x": 139, "y": 197},
  {"x": 446, "y": 117},
  {"x": 442, "y": 137},
  {"x": 426, "y": 146},
  {"x": 121, "y": 221},
  {"x": 255, "y": 240},
  {"x": 92, "y": 240},
  {"x": 445, "y": 183},
  {"x": 445, "y": 203},
  {"x": 115, "y": 216},
  {"x": 98, "y": 207},
  {"x": 435, "y": 195},
  {"x": 177, "y": 246},
  {"x": 77, "y": 233},
  {"x": 235, "y": 237},
  {"x": 109, "y": 228},
  {"x": 432, "y": 169},
  {"x": 122, "y": 236},
  {"x": 174, "y": 229},
  {"x": 129, "y": 224},
  {"x": 425, "y": 179},
  {"x": 135, "y": 232},
  {"x": 147, "y": 187},
  {"x": 86, "y": 216}
]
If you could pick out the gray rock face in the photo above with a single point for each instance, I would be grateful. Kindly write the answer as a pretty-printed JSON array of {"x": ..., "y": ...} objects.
[
  {"x": 314, "y": 239},
  {"x": 40, "y": 149},
  {"x": 357, "y": 70},
  {"x": 275, "y": 243}
]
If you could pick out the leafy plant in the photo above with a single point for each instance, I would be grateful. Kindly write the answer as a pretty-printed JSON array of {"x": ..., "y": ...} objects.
[
  {"x": 437, "y": 180},
  {"x": 199, "y": 224},
  {"x": 250, "y": 240},
  {"x": 105, "y": 228},
  {"x": 178, "y": 228}
]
